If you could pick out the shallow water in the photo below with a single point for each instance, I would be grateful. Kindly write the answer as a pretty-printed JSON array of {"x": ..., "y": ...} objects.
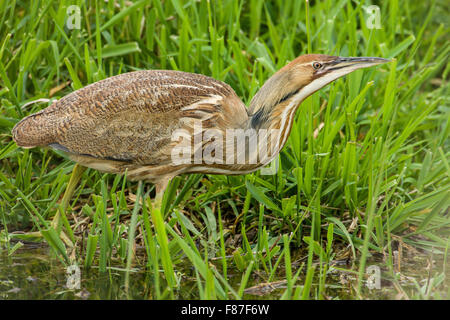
[{"x": 35, "y": 273}]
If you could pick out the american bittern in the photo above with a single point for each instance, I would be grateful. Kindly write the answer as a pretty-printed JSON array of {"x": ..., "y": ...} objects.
[{"x": 128, "y": 122}]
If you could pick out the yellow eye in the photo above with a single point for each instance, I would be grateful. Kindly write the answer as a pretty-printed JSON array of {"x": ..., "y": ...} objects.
[{"x": 317, "y": 65}]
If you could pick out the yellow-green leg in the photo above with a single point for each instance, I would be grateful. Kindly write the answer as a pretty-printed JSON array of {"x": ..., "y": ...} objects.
[
  {"x": 77, "y": 172},
  {"x": 160, "y": 187},
  {"x": 60, "y": 215}
]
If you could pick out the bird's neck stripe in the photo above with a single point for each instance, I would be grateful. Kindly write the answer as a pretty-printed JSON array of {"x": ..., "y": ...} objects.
[
  {"x": 287, "y": 117},
  {"x": 264, "y": 113}
]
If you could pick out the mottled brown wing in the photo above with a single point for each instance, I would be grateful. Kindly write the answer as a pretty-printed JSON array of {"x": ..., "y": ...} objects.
[{"x": 128, "y": 117}]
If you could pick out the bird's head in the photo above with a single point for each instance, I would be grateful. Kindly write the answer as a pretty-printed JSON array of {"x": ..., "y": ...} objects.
[
  {"x": 304, "y": 76},
  {"x": 318, "y": 70}
]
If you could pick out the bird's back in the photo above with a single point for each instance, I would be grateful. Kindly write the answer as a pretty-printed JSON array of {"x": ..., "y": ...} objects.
[{"x": 128, "y": 118}]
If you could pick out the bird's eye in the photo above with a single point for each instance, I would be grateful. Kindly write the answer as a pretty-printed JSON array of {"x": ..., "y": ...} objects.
[{"x": 317, "y": 65}]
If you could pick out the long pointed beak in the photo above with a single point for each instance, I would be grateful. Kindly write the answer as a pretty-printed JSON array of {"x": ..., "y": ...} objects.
[
  {"x": 340, "y": 66},
  {"x": 353, "y": 63}
]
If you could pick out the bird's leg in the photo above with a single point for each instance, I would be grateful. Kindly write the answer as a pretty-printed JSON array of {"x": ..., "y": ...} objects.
[
  {"x": 75, "y": 177},
  {"x": 160, "y": 187},
  {"x": 77, "y": 172}
]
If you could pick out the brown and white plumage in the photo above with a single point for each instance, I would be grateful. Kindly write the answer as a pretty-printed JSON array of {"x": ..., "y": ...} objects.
[{"x": 126, "y": 122}]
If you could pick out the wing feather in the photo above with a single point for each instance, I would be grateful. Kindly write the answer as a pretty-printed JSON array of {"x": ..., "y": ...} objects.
[{"x": 129, "y": 117}]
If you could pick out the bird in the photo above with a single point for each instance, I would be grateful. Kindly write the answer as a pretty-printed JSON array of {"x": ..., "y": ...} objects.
[{"x": 156, "y": 124}]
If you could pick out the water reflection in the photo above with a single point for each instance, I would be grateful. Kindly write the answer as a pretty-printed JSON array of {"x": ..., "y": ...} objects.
[{"x": 35, "y": 273}]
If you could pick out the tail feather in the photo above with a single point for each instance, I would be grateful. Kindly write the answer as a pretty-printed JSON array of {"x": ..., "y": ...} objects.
[{"x": 33, "y": 131}]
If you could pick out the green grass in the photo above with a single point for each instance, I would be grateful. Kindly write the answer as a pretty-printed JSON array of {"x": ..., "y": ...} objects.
[{"x": 366, "y": 168}]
